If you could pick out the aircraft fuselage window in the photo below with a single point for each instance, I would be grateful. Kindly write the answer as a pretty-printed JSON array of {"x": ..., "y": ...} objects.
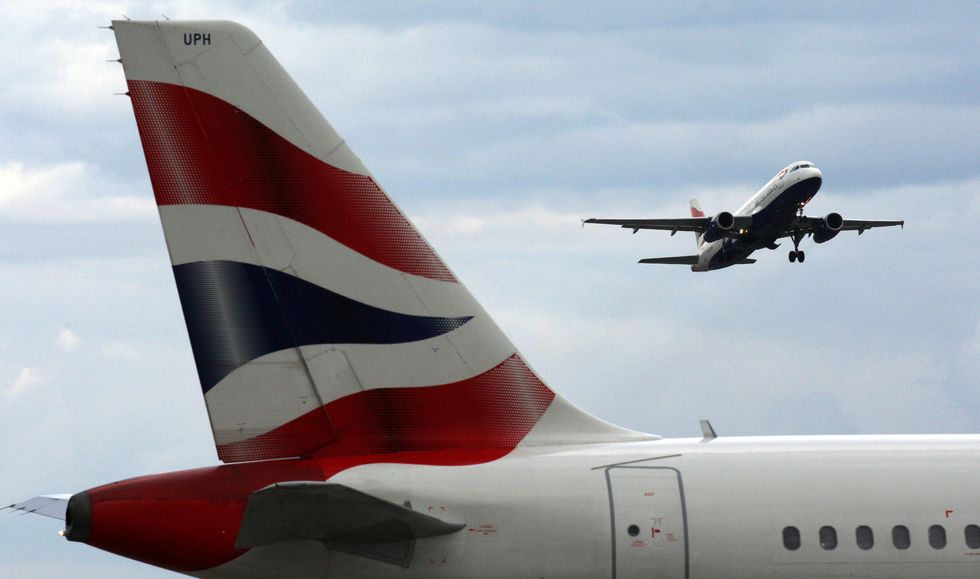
[
  {"x": 828, "y": 538},
  {"x": 633, "y": 530},
  {"x": 972, "y": 533},
  {"x": 791, "y": 538},
  {"x": 937, "y": 537},
  {"x": 865, "y": 537},
  {"x": 900, "y": 537}
]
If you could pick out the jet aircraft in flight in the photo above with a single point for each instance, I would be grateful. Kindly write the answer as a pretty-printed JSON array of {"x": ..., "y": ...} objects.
[
  {"x": 774, "y": 212},
  {"x": 374, "y": 421}
]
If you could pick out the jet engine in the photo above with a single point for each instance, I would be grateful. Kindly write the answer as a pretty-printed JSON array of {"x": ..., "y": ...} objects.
[
  {"x": 720, "y": 225},
  {"x": 829, "y": 227}
]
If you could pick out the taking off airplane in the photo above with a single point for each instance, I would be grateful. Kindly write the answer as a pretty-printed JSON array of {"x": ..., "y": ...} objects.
[
  {"x": 774, "y": 212},
  {"x": 373, "y": 421}
]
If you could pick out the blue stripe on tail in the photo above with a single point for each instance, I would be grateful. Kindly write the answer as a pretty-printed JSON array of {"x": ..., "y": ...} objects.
[{"x": 237, "y": 312}]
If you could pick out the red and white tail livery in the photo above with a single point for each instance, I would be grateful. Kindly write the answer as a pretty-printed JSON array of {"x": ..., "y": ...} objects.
[{"x": 321, "y": 320}]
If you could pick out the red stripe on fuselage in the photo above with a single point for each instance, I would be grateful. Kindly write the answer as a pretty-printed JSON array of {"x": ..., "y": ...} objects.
[
  {"x": 202, "y": 150},
  {"x": 492, "y": 411}
]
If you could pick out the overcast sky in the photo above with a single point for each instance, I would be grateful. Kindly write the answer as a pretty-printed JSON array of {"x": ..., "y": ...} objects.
[{"x": 497, "y": 126}]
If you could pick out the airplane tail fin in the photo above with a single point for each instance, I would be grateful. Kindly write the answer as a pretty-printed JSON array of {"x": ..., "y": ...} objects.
[
  {"x": 696, "y": 211},
  {"x": 321, "y": 321}
]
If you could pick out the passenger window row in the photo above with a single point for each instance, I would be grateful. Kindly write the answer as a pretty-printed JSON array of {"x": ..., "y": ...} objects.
[{"x": 864, "y": 537}]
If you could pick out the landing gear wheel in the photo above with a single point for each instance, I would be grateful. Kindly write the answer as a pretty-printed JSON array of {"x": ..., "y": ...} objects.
[{"x": 797, "y": 237}]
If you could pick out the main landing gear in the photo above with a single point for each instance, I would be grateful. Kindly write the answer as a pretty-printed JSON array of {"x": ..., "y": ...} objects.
[{"x": 797, "y": 254}]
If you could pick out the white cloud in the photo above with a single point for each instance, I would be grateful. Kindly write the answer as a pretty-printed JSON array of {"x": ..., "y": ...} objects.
[
  {"x": 70, "y": 192},
  {"x": 67, "y": 340},
  {"x": 67, "y": 73},
  {"x": 27, "y": 378}
]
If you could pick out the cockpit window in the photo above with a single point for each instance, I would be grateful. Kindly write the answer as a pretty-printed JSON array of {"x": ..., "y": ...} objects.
[{"x": 794, "y": 168}]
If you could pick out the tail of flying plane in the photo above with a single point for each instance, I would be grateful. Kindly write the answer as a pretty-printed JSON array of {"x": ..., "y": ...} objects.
[
  {"x": 696, "y": 211},
  {"x": 321, "y": 321}
]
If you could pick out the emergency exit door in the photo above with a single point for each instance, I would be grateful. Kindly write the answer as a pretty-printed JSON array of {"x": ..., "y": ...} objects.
[{"x": 649, "y": 522}]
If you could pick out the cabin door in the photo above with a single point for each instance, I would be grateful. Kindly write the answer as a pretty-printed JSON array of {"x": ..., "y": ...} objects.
[{"x": 649, "y": 522}]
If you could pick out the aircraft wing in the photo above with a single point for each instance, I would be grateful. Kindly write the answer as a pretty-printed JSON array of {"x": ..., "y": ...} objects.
[
  {"x": 680, "y": 224},
  {"x": 673, "y": 225},
  {"x": 860, "y": 225},
  {"x": 808, "y": 224}
]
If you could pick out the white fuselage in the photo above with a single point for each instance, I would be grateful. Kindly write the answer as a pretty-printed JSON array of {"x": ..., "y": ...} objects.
[
  {"x": 679, "y": 508},
  {"x": 772, "y": 208}
]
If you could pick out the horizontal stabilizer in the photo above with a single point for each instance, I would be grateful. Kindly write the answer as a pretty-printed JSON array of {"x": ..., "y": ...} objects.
[
  {"x": 679, "y": 260},
  {"x": 331, "y": 512},
  {"x": 53, "y": 506}
]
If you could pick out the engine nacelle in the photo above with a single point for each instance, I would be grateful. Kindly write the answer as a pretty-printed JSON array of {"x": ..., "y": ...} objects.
[
  {"x": 720, "y": 225},
  {"x": 829, "y": 227}
]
